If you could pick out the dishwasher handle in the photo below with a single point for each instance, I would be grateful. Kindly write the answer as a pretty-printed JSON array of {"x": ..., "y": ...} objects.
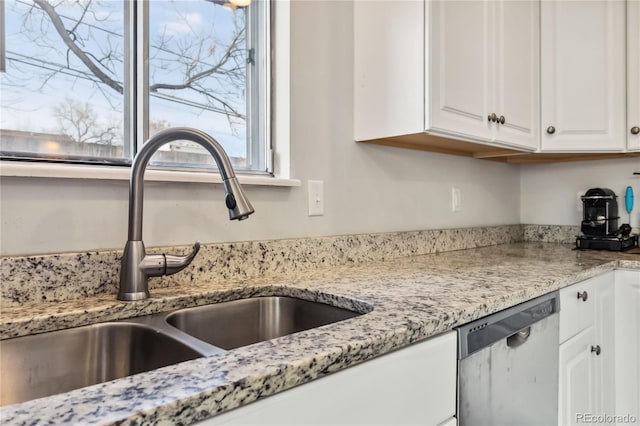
[
  {"x": 517, "y": 339},
  {"x": 512, "y": 321}
]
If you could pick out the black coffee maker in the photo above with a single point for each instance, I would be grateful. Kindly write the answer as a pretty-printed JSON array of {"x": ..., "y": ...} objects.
[
  {"x": 600, "y": 223},
  {"x": 599, "y": 212}
]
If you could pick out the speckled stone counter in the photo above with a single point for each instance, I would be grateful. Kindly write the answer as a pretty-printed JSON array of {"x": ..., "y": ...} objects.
[
  {"x": 68, "y": 276},
  {"x": 412, "y": 298}
]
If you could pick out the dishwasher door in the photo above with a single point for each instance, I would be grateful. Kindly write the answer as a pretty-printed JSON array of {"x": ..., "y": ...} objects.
[{"x": 508, "y": 366}]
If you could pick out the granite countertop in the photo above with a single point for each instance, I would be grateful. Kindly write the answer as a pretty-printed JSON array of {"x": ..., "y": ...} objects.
[{"x": 412, "y": 298}]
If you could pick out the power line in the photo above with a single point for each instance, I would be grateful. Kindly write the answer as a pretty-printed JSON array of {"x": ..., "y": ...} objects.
[
  {"x": 74, "y": 20},
  {"x": 62, "y": 70},
  {"x": 89, "y": 77},
  {"x": 154, "y": 46},
  {"x": 196, "y": 105},
  {"x": 67, "y": 70}
]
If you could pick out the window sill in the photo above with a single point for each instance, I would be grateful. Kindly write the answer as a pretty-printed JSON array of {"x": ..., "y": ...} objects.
[{"x": 72, "y": 171}]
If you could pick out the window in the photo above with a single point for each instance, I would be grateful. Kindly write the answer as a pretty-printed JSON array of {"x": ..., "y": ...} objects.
[{"x": 88, "y": 80}]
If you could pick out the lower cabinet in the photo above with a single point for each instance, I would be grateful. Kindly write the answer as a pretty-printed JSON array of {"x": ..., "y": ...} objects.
[
  {"x": 577, "y": 390},
  {"x": 414, "y": 385},
  {"x": 627, "y": 337},
  {"x": 586, "y": 358},
  {"x": 587, "y": 350},
  {"x": 599, "y": 358}
]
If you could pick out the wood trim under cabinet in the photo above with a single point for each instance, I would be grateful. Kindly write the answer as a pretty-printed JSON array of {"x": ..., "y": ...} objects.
[{"x": 431, "y": 143}]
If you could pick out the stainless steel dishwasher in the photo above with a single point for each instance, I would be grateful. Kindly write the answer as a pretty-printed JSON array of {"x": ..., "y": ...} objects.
[{"x": 508, "y": 366}]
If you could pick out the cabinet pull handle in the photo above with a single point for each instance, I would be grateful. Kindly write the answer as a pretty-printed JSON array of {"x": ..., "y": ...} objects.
[
  {"x": 501, "y": 120},
  {"x": 596, "y": 349},
  {"x": 551, "y": 130},
  {"x": 635, "y": 130},
  {"x": 492, "y": 117},
  {"x": 584, "y": 296}
]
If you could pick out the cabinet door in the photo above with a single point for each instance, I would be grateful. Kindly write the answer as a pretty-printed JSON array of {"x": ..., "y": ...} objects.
[
  {"x": 633, "y": 74},
  {"x": 460, "y": 69},
  {"x": 415, "y": 385},
  {"x": 583, "y": 75},
  {"x": 577, "y": 391},
  {"x": 517, "y": 64},
  {"x": 604, "y": 327},
  {"x": 627, "y": 338}
]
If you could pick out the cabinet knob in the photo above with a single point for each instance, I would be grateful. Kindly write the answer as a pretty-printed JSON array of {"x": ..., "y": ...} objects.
[
  {"x": 584, "y": 296},
  {"x": 492, "y": 117},
  {"x": 501, "y": 120},
  {"x": 596, "y": 349},
  {"x": 635, "y": 130},
  {"x": 551, "y": 130}
]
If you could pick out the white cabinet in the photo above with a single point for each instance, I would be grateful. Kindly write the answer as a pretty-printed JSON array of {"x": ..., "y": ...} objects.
[
  {"x": 389, "y": 68},
  {"x": 627, "y": 337},
  {"x": 484, "y": 71},
  {"x": 583, "y": 94},
  {"x": 446, "y": 68},
  {"x": 414, "y": 385},
  {"x": 587, "y": 349},
  {"x": 461, "y": 96},
  {"x": 517, "y": 72},
  {"x": 604, "y": 327},
  {"x": 633, "y": 74},
  {"x": 577, "y": 390}
]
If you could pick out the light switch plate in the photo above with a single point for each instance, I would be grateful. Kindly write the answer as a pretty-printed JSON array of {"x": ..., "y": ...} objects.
[{"x": 316, "y": 197}]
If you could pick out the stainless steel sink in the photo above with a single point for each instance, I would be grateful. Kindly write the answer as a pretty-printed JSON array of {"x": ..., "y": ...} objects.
[
  {"x": 60, "y": 361},
  {"x": 230, "y": 325},
  {"x": 50, "y": 363}
]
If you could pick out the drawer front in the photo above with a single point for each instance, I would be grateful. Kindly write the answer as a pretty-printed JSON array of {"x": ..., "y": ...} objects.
[
  {"x": 576, "y": 314},
  {"x": 578, "y": 304}
]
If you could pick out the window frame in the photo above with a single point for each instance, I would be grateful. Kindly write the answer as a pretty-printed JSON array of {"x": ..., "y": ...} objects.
[{"x": 275, "y": 50}]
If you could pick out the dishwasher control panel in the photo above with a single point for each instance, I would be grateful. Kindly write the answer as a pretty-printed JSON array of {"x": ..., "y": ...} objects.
[{"x": 480, "y": 333}]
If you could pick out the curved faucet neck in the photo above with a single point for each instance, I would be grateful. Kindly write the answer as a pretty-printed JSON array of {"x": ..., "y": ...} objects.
[
  {"x": 136, "y": 266},
  {"x": 141, "y": 160}
]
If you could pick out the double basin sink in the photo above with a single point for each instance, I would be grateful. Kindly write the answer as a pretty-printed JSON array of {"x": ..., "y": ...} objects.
[{"x": 60, "y": 361}]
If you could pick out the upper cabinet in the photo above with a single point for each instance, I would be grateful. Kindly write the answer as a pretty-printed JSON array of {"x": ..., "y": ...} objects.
[
  {"x": 484, "y": 71},
  {"x": 462, "y": 81},
  {"x": 389, "y": 77},
  {"x": 508, "y": 80},
  {"x": 583, "y": 75},
  {"x": 470, "y": 73},
  {"x": 633, "y": 74},
  {"x": 517, "y": 65}
]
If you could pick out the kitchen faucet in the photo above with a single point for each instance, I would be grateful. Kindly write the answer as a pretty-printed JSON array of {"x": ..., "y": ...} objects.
[{"x": 136, "y": 266}]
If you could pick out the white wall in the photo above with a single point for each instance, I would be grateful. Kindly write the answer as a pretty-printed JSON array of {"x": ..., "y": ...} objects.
[
  {"x": 368, "y": 188},
  {"x": 549, "y": 192}
]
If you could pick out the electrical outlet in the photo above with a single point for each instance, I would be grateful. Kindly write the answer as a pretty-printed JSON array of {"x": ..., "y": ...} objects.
[
  {"x": 316, "y": 197},
  {"x": 456, "y": 199}
]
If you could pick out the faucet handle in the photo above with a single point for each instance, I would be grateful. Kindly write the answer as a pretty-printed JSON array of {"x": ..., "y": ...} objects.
[
  {"x": 178, "y": 263},
  {"x": 156, "y": 265}
]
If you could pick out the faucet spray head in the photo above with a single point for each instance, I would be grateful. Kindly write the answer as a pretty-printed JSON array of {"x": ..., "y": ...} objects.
[{"x": 236, "y": 201}]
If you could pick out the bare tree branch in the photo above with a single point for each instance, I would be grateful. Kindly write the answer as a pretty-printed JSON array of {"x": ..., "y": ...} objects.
[
  {"x": 84, "y": 12},
  {"x": 200, "y": 67},
  {"x": 191, "y": 79},
  {"x": 79, "y": 121},
  {"x": 66, "y": 37}
]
